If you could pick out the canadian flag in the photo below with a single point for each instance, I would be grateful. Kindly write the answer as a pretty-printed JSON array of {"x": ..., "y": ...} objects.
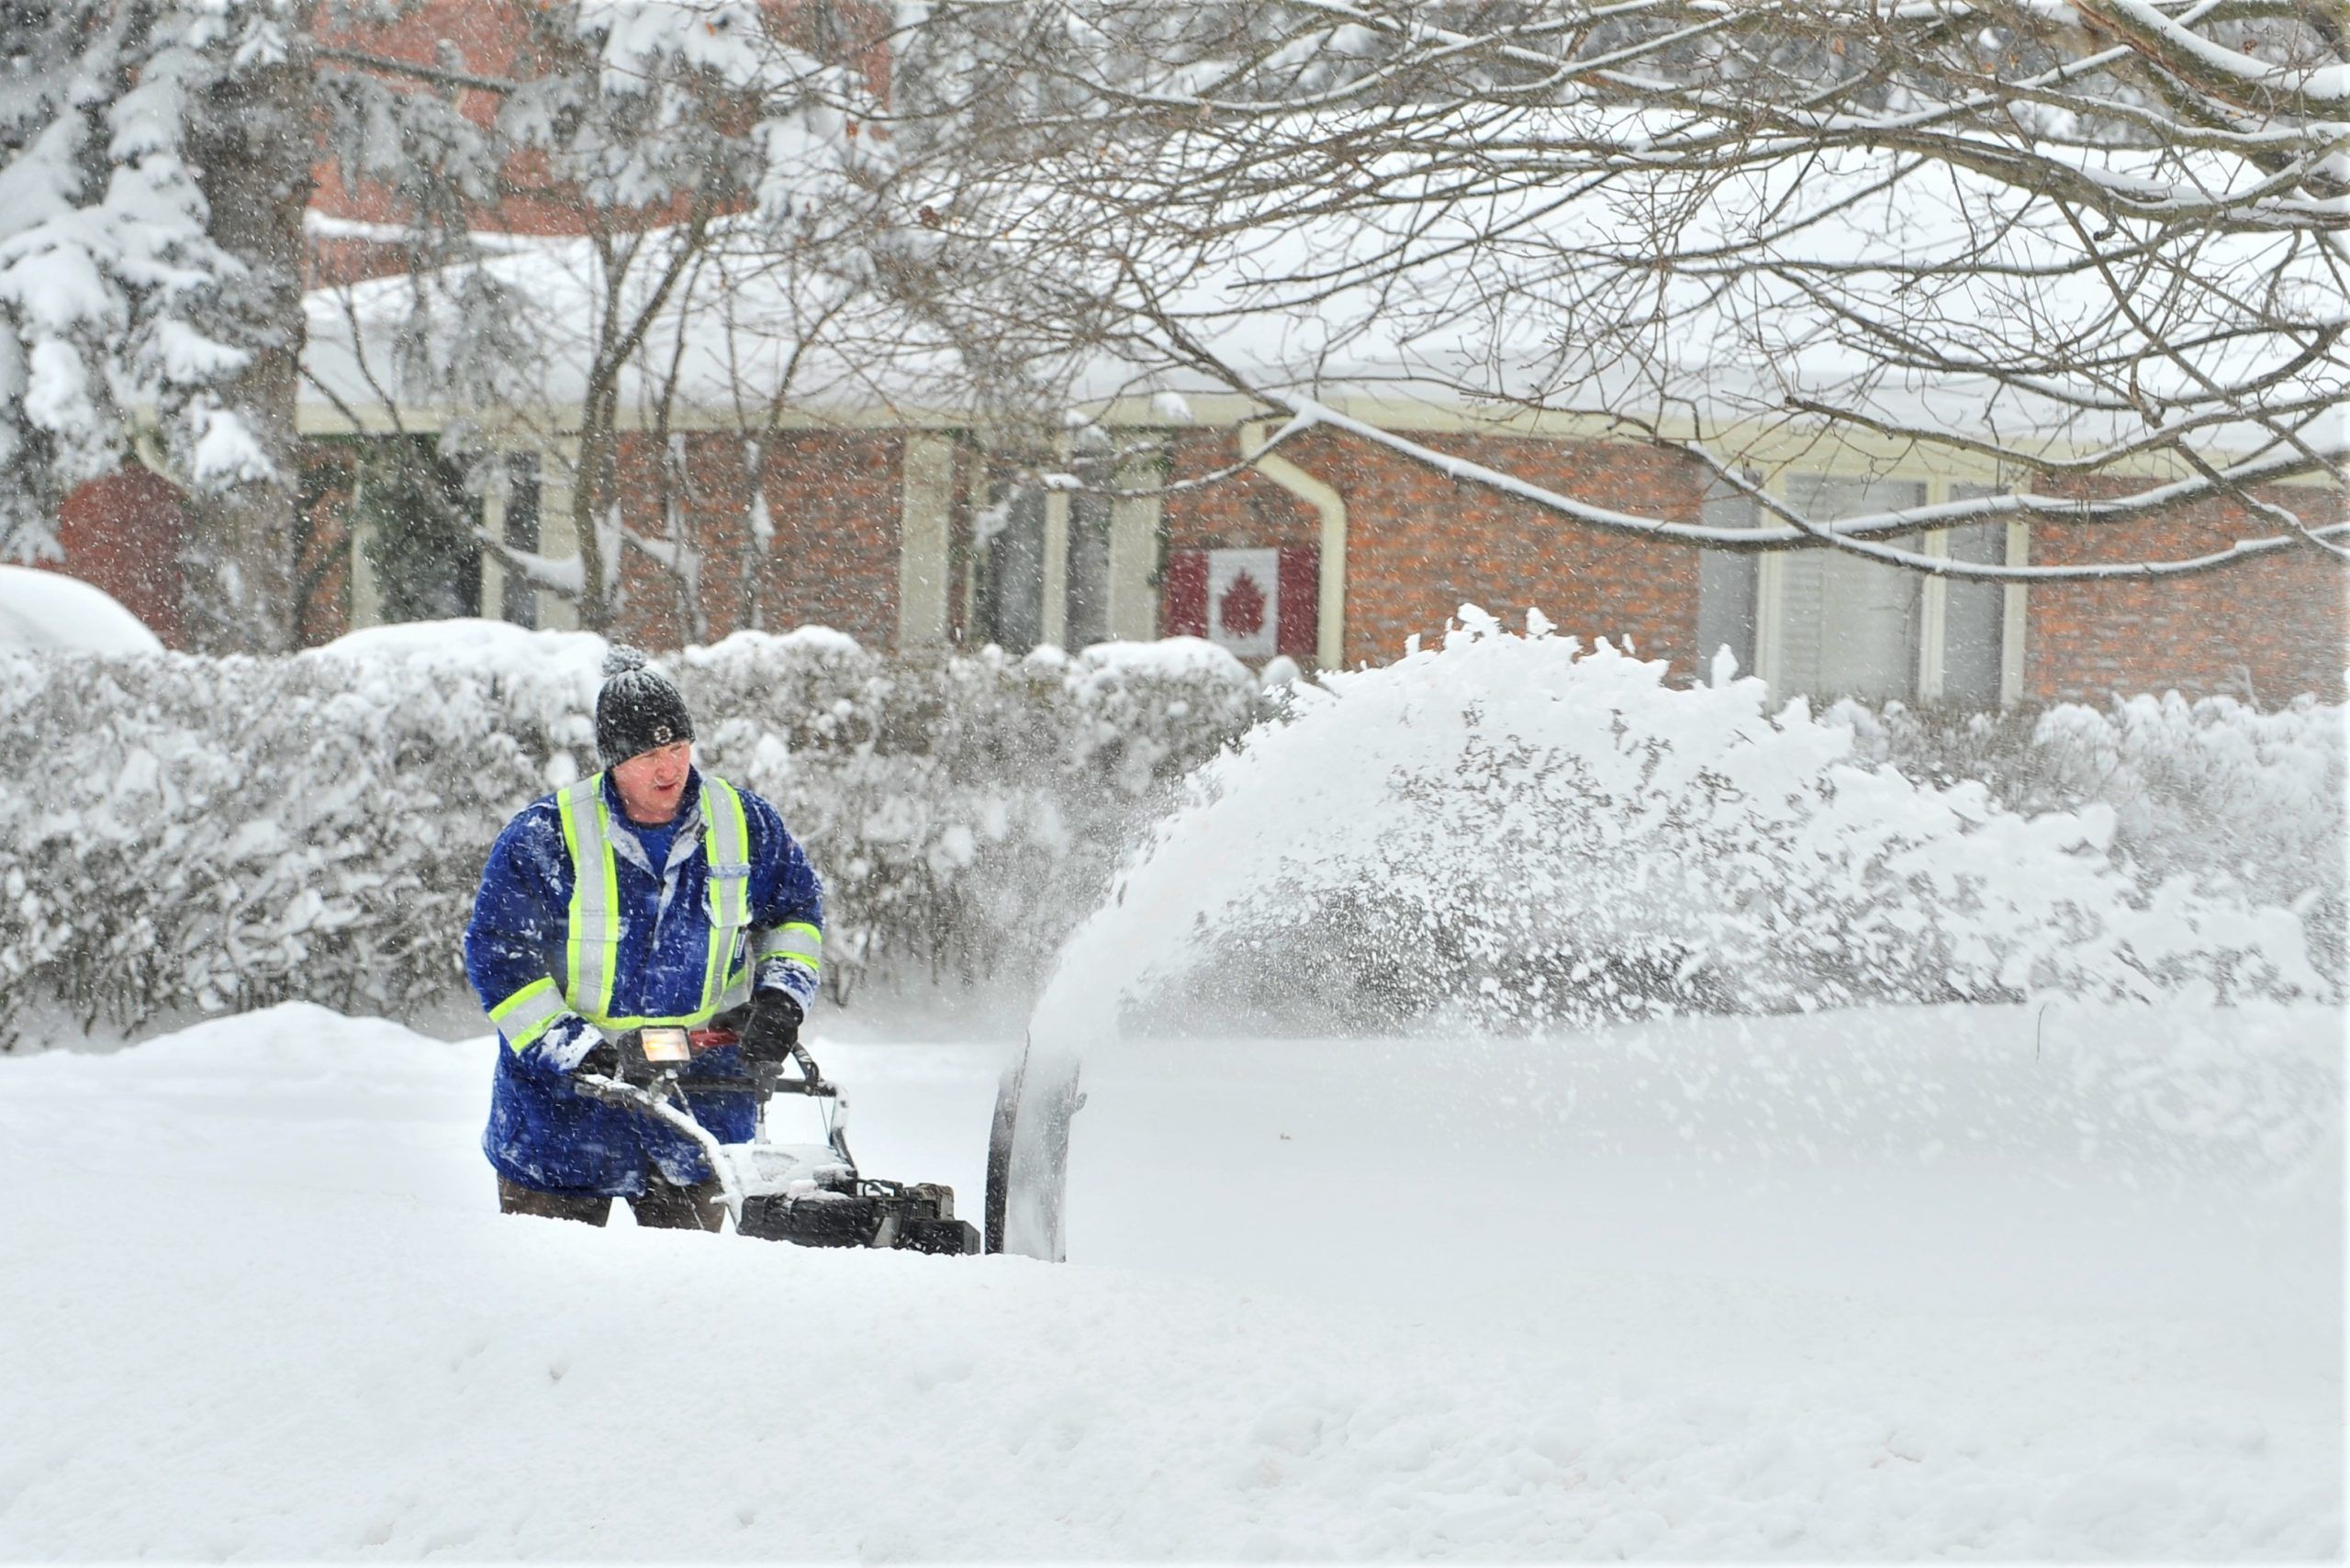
[{"x": 1256, "y": 602}]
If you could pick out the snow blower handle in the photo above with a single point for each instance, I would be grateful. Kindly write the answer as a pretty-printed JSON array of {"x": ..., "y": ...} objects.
[
  {"x": 763, "y": 1077},
  {"x": 766, "y": 1078},
  {"x": 812, "y": 1079}
]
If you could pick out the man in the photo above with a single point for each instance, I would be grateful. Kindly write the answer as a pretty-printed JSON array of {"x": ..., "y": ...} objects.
[{"x": 650, "y": 893}]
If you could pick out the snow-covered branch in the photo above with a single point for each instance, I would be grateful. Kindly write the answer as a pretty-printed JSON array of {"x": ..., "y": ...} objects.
[
  {"x": 2102, "y": 243},
  {"x": 1864, "y": 535},
  {"x": 557, "y": 577}
]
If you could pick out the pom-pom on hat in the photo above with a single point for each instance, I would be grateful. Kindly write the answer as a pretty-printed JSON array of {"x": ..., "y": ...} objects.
[{"x": 637, "y": 710}]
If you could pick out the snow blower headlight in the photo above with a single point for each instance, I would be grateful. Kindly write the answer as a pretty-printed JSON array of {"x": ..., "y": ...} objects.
[
  {"x": 647, "y": 1054},
  {"x": 664, "y": 1046}
]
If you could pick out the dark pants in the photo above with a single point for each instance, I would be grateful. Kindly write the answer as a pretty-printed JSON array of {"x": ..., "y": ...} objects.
[{"x": 664, "y": 1207}]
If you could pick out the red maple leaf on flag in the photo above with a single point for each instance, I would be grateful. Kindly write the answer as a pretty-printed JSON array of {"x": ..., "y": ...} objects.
[{"x": 1242, "y": 611}]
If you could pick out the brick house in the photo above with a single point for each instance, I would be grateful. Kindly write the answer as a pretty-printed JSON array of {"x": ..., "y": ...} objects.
[
  {"x": 1333, "y": 550},
  {"x": 887, "y": 534},
  {"x": 903, "y": 538}
]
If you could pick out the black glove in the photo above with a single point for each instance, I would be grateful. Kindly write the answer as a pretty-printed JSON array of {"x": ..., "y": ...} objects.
[
  {"x": 603, "y": 1058},
  {"x": 771, "y": 1033}
]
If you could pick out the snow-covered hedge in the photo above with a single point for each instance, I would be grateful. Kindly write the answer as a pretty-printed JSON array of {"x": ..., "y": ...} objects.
[
  {"x": 1520, "y": 832},
  {"x": 2239, "y": 801},
  {"x": 1499, "y": 827},
  {"x": 180, "y": 834}
]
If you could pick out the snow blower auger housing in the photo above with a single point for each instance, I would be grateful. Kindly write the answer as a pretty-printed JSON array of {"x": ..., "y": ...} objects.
[{"x": 813, "y": 1194}]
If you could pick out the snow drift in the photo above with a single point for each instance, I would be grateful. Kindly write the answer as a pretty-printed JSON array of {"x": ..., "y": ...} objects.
[
  {"x": 258, "y": 1305},
  {"x": 192, "y": 834},
  {"x": 49, "y": 612},
  {"x": 2252, "y": 802}
]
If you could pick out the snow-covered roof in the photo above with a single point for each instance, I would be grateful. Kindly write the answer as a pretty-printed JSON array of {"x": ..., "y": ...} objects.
[
  {"x": 1310, "y": 309},
  {"x": 738, "y": 326}
]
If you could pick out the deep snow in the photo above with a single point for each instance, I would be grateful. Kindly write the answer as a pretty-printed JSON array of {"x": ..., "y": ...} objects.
[{"x": 1876, "y": 1285}]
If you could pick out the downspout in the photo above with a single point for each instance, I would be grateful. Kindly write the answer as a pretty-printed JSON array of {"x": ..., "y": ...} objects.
[{"x": 1330, "y": 597}]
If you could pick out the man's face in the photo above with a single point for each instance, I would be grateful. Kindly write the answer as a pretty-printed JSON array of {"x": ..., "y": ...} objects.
[{"x": 651, "y": 782}]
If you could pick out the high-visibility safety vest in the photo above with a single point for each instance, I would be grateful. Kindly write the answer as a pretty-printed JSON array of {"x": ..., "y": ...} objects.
[{"x": 592, "y": 924}]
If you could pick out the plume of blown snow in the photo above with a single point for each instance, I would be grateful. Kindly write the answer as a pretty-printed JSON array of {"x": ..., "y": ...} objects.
[{"x": 1532, "y": 834}]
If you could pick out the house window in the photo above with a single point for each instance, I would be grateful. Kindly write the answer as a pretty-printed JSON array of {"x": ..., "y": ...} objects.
[
  {"x": 1973, "y": 613},
  {"x": 1088, "y": 620},
  {"x": 415, "y": 524},
  {"x": 1726, "y": 588},
  {"x": 1071, "y": 566},
  {"x": 1849, "y": 626},
  {"x": 1023, "y": 596}
]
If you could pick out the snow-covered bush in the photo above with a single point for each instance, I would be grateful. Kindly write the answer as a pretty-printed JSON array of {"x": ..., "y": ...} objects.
[
  {"x": 1500, "y": 826},
  {"x": 965, "y": 811},
  {"x": 1516, "y": 830},
  {"x": 2241, "y": 801},
  {"x": 180, "y": 834}
]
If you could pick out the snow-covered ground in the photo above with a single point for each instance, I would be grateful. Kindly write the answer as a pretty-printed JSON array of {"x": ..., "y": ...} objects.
[{"x": 1871, "y": 1284}]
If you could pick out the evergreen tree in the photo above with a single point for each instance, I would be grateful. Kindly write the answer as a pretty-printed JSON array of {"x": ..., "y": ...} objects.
[{"x": 156, "y": 160}]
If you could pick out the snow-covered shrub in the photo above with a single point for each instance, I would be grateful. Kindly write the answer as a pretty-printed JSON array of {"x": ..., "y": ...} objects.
[
  {"x": 965, "y": 811},
  {"x": 2242, "y": 801},
  {"x": 1519, "y": 831},
  {"x": 180, "y": 834}
]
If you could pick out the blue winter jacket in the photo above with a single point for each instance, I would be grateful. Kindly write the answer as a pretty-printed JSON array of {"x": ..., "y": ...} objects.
[{"x": 543, "y": 1134}]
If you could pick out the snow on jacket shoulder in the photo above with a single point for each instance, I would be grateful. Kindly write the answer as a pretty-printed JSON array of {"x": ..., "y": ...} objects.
[{"x": 540, "y": 1133}]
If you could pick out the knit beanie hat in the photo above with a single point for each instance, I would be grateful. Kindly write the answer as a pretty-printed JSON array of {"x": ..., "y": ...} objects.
[{"x": 637, "y": 710}]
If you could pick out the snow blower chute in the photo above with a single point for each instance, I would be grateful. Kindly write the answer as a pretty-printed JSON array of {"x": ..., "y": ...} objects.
[
  {"x": 809, "y": 1193},
  {"x": 1028, "y": 1155}
]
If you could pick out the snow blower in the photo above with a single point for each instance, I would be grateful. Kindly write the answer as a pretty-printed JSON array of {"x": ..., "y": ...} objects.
[{"x": 813, "y": 1194}]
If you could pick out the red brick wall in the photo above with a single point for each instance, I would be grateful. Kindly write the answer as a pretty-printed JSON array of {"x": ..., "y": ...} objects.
[
  {"x": 1421, "y": 544},
  {"x": 1237, "y": 513},
  {"x": 485, "y": 39},
  {"x": 123, "y": 533},
  {"x": 835, "y": 500},
  {"x": 2278, "y": 624},
  {"x": 491, "y": 38}
]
